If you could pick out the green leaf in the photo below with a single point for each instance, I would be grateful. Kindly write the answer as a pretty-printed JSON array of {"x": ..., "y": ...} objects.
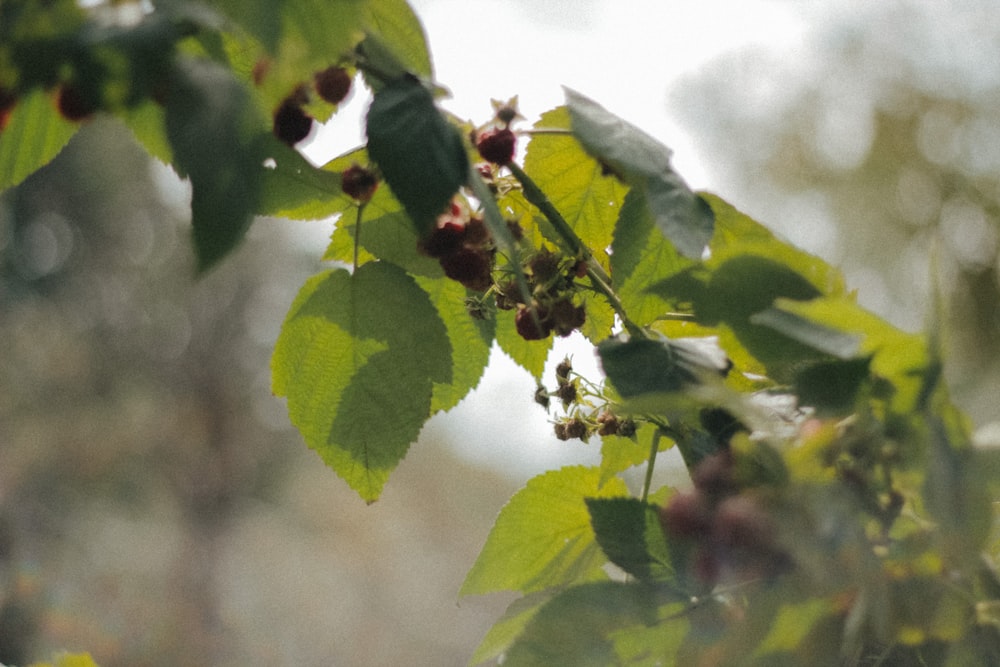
[
  {"x": 292, "y": 188},
  {"x": 471, "y": 340},
  {"x": 543, "y": 536},
  {"x": 35, "y": 133},
  {"x": 619, "y": 454},
  {"x": 817, "y": 336},
  {"x": 644, "y": 163},
  {"x": 214, "y": 131},
  {"x": 657, "y": 366},
  {"x": 596, "y": 624},
  {"x": 506, "y": 630},
  {"x": 832, "y": 387},
  {"x": 528, "y": 354},
  {"x": 147, "y": 123},
  {"x": 421, "y": 155},
  {"x": 358, "y": 358},
  {"x": 629, "y": 532},
  {"x": 588, "y": 200},
  {"x": 397, "y": 27},
  {"x": 641, "y": 256}
]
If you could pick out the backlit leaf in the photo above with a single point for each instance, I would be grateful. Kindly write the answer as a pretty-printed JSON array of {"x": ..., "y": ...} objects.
[
  {"x": 543, "y": 536},
  {"x": 35, "y": 133}
]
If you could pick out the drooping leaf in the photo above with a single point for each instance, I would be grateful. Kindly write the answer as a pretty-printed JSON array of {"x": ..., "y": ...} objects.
[
  {"x": 657, "y": 366},
  {"x": 644, "y": 163},
  {"x": 543, "y": 536},
  {"x": 214, "y": 132},
  {"x": 595, "y": 624},
  {"x": 421, "y": 155},
  {"x": 358, "y": 358},
  {"x": 588, "y": 200},
  {"x": 34, "y": 135},
  {"x": 396, "y": 26},
  {"x": 628, "y": 531}
]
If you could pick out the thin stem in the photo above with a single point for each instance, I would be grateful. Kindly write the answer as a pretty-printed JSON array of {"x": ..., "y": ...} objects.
[
  {"x": 598, "y": 276},
  {"x": 357, "y": 233},
  {"x": 653, "y": 449}
]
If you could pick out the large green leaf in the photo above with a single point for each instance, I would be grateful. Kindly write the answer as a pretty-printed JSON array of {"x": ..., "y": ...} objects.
[
  {"x": 215, "y": 133},
  {"x": 35, "y": 134},
  {"x": 421, "y": 155},
  {"x": 630, "y": 534},
  {"x": 587, "y": 199},
  {"x": 638, "y": 367},
  {"x": 358, "y": 358},
  {"x": 543, "y": 536},
  {"x": 641, "y": 256},
  {"x": 602, "y": 624},
  {"x": 644, "y": 163},
  {"x": 292, "y": 188},
  {"x": 396, "y": 26}
]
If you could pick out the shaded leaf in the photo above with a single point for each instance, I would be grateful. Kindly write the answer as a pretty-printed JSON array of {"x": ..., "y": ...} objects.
[
  {"x": 34, "y": 135},
  {"x": 292, "y": 188},
  {"x": 644, "y": 163},
  {"x": 628, "y": 531},
  {"x": 506, "y": 630},
  {"x": 420, "y": 154},
  {"x": 657, "y": 366},
  {"x": 543, "y": 536},
  {"x": 358, "y": 357}
]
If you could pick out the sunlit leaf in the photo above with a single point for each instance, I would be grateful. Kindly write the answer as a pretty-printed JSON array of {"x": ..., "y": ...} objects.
[
  {"x": 509, "y": 626},
  {"x": 358, "y": 357},
  {"x": 396, "y": 26},
  {"x": 420, "y": 154},
  {"x": 588, "y": 200},
  {"x": 35, "y": 133},
  {"x": 543, "y": 536},
  {"x": 528, "y": 354},
  {"x": 292, "y": 188},
  {"x": 644, "y": 163}
]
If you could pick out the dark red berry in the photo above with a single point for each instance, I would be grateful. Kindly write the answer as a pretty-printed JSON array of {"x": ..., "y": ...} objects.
[
  {"x": 7, "y": 102},
  {"x": 566, "y": 317},
  {"x": 445, "y": 239},
  {"x": 496, "y": 145},
  {"x": 686, "y": 515},
  {"x": 333, "y": 84},
  {"x": 714, "y": 474},
  {"x": 567, "y": 393},
  {"x": 607, "y": 423},
  {"x": 469, "y": 266},
  {"x": 476, "y": 231},
  {"x": 358, "y": 183},
  {"x": 291, "y": 123},
  {"x": 542, "y": 396},
  {"x": 706, "y": 566},
  {"x": 572, "y": 428},
  {"x": 740, "y": 523},
  {"x": 74, "y": 103},
  {"x": 527, "y": 326},
  {"x": 563, "y": 370}
]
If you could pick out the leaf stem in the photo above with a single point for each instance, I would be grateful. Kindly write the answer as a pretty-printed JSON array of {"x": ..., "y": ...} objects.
[
  {"x": 357, "y": 233},
  {"x": 598, "y": 276},
  {"x": 653, "y": 449}
]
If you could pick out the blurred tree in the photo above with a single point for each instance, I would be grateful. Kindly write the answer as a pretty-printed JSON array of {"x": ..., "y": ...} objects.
[{"x": 878, "y": 147}]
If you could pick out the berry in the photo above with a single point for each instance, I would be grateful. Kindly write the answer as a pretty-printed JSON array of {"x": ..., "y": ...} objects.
[
  {"x": 476, "y": 232},
  {"x": 358, "y": 183},
  {"x": 740, "y": 523},
  {"x": 563, "y": 370},
  {"x": 496, "y": 145},
  {"x": 470, "y": 266},
  {"x": 607, "y": 423},
  {"x": 714, "y": 474},
  {"x": 527, "y": 327},
  {"x": 542, "y": 396},
  {"x": 566, "y": 317},
  {"x": 686, "y": 515},
  {"x": 626, "y": 428},
  {"x": 291, "y": 123},
  {"x": 567, "y": 393},
  {"x": 571, "y": 428},
  {"x": 333, "y": 84},
  {"x": 7, "y": 102},
  {"x": 543, "y": 266},
  {"x": 74, "y": 103},
  {"x": 445, "y": 239}
]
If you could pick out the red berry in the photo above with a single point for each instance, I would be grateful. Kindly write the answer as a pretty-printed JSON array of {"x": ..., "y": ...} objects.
[
  {"x": 476, "y": 231},
  {"x": 527, "y": 327},
  {"x": 74, "y": 103},
  {"x": 714, "y": 474},
  {"x": 566, "y": 317},
  {"x": 291, "y": 123},
  {"x": 607, "y": 423},
  {"x": 686, "y": 515},
  {"x": 358, "y": 183},
  {"x": 7, "y": 102},
  {"x": 333, "y": 84},
  {"x": 470, "y": 266},
  {"x": 496, "y": 145},
  {"x": 741, "y": 523},
  {"x": 445, "y": 239}
]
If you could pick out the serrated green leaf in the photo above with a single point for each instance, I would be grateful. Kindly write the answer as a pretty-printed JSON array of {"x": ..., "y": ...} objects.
[
  {"x": 507, "y": 629},
  {"x": 528, "y": 354},
  {"x": 628, "y": 531},
  {"x": 34, "y": 135},
  {"x": 471, "y": 341},
  {"x": 396, "y": 26},
  {"x": 421, "y": 155},
  {"x": 292, "y": 188},
  {"x": 358, "y": 357},
  {"x": 214, "y": 132},
  {"x": 619, "y": 454},
  {"x": 543, "y": 537},
  {"x": 641, "y": 256},
  {"x": 644, "y": 163},
  {"x": 386, "y": 233},
  {"x": 596, "y": 624},
  {"x": 588, "y": 200}
]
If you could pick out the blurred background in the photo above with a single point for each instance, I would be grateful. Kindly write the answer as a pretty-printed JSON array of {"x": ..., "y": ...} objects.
[{"x": 157, "y": 509}]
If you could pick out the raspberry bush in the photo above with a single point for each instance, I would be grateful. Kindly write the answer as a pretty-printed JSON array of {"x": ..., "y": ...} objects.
[{"x": 839, "y": 512}]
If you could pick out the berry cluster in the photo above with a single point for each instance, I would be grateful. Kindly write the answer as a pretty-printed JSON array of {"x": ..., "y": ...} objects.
[
  {"x": 585, "y": 418},
  {"x": 552, "y": 308},
  {"x": 291, "y": 122},
  {"x": 463, "y": 246},
  {"x": 496, "y": 142},
  {"x": 734, "y": 537}
]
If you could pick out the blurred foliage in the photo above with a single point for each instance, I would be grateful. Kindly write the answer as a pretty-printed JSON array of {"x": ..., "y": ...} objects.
[{"x": 876, "y": 146}]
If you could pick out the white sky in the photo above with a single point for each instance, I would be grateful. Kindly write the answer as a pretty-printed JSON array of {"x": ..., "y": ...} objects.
[{"x": 624, "y": 55}]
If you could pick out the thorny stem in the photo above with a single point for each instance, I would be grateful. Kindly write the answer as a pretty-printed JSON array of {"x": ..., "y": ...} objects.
[
  {"x": 598, "y": 276},
  {"x": 357, "y": 233}
]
